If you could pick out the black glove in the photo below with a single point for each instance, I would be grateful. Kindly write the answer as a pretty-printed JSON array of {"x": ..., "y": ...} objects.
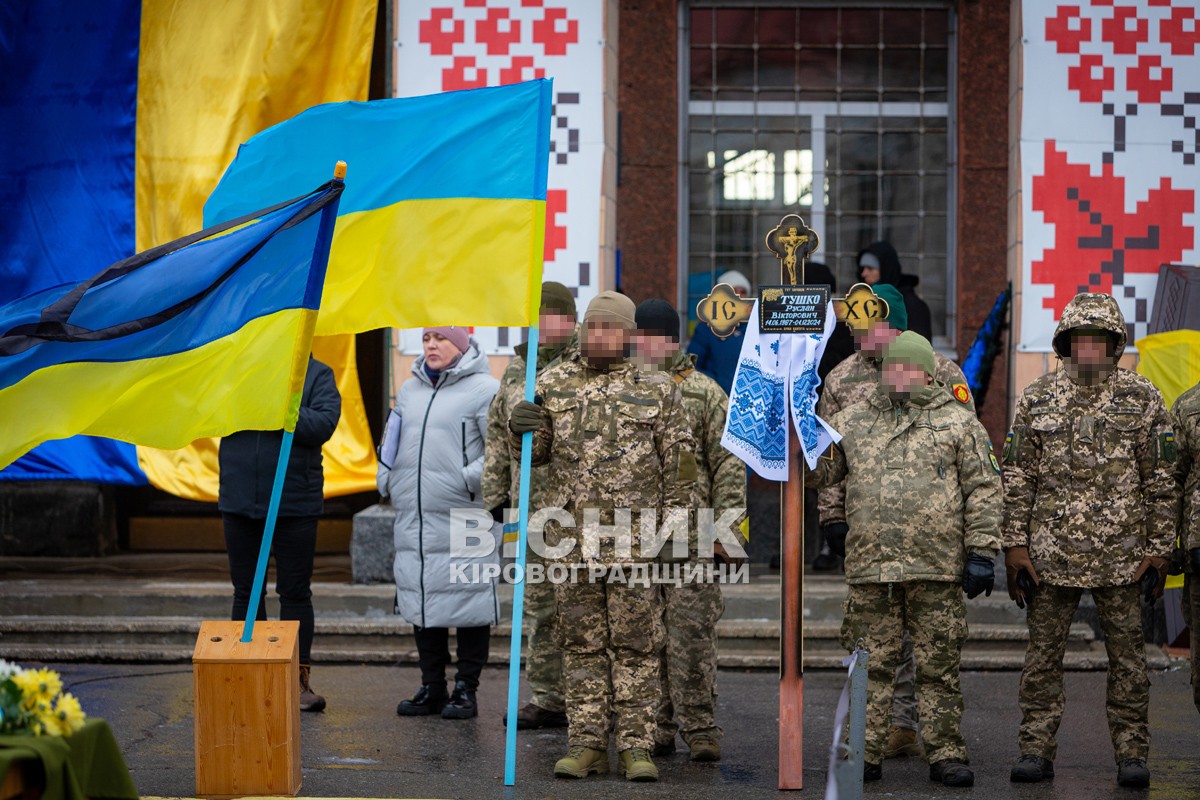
[
  {"x": 525, "y": 417},
  {"x": 1176, "y": 562},
  {"x": 1194, "y": 556},
  {"x": 979, "y": 576},
  {"x": 498, "y": 513},
  {"x": 1027, "y": 586},
  {"x": 835, "y": 537},
  {"x": 1147, "y": 584}
]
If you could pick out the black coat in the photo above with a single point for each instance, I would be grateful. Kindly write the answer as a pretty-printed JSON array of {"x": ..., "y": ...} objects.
[
  {"x": 840, "y": 345},
  {"x": 919, "y": 319},
  {"x": 248, "y": 458}
]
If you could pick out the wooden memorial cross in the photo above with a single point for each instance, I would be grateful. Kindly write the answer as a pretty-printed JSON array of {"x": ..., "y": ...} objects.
[{"x": 792, "y": 242}]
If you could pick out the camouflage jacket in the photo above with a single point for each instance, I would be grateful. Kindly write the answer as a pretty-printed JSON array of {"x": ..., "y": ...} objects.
[
  {"x": 922, "y": 487},
  {"x": 855, "y": 380},
  {"x": 613, "y": 438},
  {"x": 1186, "y": 416},
  {"x": 1089, "y": 483},
  {"x": 721, "y": 476},
  {"x": 501, "y": 471}
]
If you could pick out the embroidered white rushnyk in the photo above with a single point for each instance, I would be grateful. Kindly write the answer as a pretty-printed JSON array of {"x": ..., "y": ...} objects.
[{"x": 776, "y": 378}]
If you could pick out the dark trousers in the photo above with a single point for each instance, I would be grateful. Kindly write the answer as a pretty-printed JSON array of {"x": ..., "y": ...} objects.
[
  {"x": 293, "y": 545},
  {"x": 433, "y": 653}
]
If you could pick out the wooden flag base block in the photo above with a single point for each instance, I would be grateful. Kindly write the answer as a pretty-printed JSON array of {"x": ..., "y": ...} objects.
[{"x": 247, "y": 710}]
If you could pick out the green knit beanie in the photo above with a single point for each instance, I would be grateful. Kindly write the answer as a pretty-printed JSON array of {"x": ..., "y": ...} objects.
[
  {"x": 897, "y": 316},
  {"x": 911, "y": 348},
  {"x": 557, "y": 299}
]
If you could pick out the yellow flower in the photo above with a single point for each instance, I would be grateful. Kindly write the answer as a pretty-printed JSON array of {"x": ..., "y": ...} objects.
[
  {"x": 37, "y": 686},
  {"x": 69, "y": 714},
  {"x": 46, "y": 724}
]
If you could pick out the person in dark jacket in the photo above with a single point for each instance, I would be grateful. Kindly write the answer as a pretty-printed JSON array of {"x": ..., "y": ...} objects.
[
  {"x": 839, "y": 347},
  {"x": 248, "y": 461},
  {"x": 718, "y": 358},
  {"x": 879, "y": 263}
]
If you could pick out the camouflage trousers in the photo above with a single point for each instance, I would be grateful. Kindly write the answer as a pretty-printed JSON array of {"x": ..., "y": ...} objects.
[
  {"x": 543, "y": 659},
  {"x": 935, "y": 618},
  {"x": 1042, "y": 698},
  {"x": 611, "y": 635},
  {"x": 904, "y": 697},
  {"x": 688, "y": 671},
  {"x": 1191, "y": 616}
]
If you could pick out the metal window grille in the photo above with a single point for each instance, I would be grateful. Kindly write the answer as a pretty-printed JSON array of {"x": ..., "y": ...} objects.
[{"x": 841, "y": 114}]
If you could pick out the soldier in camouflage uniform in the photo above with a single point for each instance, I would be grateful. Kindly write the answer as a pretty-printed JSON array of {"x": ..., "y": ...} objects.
[
  {"x": 853, "y": 381},
  {"x": 923, "y": 504},
  {"x": 1185, "y": 415},
  {"x": 501, "y": 479},
  {"x": 1090, "y": 503},
  {"x": 614, "y": 439},
  {"x": 691, "y": 611}
]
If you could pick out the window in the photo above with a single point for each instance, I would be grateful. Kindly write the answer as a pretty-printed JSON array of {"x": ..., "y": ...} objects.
[{"x": 837, "y": 114}]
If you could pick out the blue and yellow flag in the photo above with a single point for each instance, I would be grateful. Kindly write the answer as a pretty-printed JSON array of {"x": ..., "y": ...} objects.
[
  {"x": 203, "y": 336},
  {"x": 445, "y": 220}
]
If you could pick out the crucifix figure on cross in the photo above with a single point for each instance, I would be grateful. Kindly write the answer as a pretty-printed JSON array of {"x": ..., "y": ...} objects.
[{"x": 792, "y": 242}]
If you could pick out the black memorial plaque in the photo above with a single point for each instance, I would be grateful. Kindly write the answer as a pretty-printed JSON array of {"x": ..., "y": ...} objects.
[{"x": 792, "y": 309}]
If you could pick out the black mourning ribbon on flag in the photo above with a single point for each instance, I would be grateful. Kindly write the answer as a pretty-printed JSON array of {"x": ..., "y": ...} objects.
[{"x": 55, "y": 325}]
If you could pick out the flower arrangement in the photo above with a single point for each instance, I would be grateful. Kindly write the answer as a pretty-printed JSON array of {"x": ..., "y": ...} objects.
[{"x": 32, "y": 703}]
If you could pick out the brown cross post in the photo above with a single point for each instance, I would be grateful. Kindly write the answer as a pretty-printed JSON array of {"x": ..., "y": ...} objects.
[{"x": 792, "y": 242}]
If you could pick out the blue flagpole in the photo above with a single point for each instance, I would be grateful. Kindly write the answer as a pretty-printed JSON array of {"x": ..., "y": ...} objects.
[
  {"x": 518, "y": 607},
  {"x": 312, "y": 298},
  {"x": 264, "y": 552}
]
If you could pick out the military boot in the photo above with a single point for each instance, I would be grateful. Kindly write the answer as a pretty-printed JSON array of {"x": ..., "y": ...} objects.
[
  {"x": 429, "y": 699},
  {"x": 580, "y": 761},
  {"x": 1032, "y": 769},
  {"x": 703, "y": 747},
  {"x": 309, "y": 700},
  {"x": 903, "y": 742},
  {"x": 637, "y": 766},
  {"x": 1133, "y": 774},
  {"x": 951, "y": 772},
  {"x": 531, "y": 717}
]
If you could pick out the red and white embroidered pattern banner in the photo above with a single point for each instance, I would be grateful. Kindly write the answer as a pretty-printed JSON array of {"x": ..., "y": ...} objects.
[
  {"x": 443, "y": 45},
  {"x": 1110, "y": 145}
]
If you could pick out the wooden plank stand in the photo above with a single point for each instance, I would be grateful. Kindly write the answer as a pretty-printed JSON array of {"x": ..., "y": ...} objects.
[{"x": 247, "y": 710}]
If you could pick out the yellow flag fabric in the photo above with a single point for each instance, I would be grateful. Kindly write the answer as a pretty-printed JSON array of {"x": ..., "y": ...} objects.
[
  {"x": 1171, "y": 361},
  {"x": 211, "y": 74}
]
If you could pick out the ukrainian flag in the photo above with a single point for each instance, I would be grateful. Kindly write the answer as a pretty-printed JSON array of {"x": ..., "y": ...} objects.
[
  {"x": 445, "y": 221},
  {"x": 199, "y": 337}
]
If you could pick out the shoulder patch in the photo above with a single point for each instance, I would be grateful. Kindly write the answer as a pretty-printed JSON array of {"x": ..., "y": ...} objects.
[
  {"x": 1167, "y": 447},
  {"x": 992, "y": 458},
  {"x": 1010, "y": 443},
  {"x": 961, "y": 393}
]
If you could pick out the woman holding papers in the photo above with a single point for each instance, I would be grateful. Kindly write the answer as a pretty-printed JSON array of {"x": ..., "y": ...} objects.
[{"x": 434, "y": 483}]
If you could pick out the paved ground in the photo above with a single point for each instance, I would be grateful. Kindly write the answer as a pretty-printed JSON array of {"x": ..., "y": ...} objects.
[{"x": 360, "y": 748}]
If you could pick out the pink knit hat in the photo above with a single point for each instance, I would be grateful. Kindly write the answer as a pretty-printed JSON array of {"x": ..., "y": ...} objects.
[{"x": 458, "y": 336}]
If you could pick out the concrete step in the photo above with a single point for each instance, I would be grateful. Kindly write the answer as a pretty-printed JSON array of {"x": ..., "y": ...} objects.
[
  {"x": 981, "y": 659},
  {"x": 386, "y": 632},
  {"x": 106, "y": 595},
  {"x": 742, "y": 643},
  {"x": 132, "y": 618}
]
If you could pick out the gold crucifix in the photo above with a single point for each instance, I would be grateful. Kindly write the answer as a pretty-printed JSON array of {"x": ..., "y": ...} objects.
[{"x": 792, "y": 242}]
